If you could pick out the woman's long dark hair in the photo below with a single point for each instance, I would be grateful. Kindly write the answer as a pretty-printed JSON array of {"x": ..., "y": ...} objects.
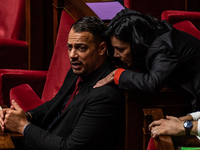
[{"x": 137, "y": 29}]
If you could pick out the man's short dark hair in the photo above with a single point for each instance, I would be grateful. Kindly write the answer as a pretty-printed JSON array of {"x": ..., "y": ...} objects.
[{"x": 92, "y": 25}]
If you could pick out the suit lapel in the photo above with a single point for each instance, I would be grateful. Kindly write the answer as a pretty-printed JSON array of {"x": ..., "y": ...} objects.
[
  {"x": 68, "y": 84},
  {"x": 88, "y": 84}
]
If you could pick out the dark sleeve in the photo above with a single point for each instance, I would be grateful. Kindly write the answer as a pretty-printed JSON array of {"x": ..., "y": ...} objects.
[
  {"x": 39, "y": 112},
  {"x": 160, "y": 71},
  {"x": 99, "y": 122}
]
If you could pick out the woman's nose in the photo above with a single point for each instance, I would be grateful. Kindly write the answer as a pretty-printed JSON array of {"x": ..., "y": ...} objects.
[{"x": 116, "y": 54}]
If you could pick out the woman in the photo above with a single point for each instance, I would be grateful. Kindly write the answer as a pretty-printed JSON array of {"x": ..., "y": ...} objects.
[{"x": 162, "y": 54}]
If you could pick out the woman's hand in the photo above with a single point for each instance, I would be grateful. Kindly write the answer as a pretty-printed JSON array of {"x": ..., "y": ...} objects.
[{"x": 107, "y": 80}]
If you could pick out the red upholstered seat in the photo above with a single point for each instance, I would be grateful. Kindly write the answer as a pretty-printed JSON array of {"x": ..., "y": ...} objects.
[
  {"x": 10, "y": 78},
  {"x": 152, "y": 145},
  {"x": 188, "y": 27},
  {"x": 13, "y": 47},
  {"x": 155, "y": 7},
  {"x": 174, "y": 16},
  {"x": 23, "y": 93}
]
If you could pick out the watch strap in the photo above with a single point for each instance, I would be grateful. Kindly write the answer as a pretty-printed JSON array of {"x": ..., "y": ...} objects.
[{"x": 187, "y": 131}]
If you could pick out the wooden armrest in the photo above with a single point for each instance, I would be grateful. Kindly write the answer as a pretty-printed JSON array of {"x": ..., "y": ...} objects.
[
  {"x": 151, "y": 114},
  {"x": 162, "y": 142},
  {"x": 5, "y": 141}
]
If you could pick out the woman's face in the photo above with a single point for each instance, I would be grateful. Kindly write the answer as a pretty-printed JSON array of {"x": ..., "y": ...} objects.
[{"x": 122, "y": 50}]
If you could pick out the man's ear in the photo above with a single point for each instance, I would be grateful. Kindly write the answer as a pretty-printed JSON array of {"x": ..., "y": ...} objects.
[{"x": 102, "y": 48}]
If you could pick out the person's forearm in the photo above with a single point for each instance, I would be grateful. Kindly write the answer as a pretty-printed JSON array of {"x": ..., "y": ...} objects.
[
  {"x": 191, "y": 116},
  {"x": 187, "y": 117}
]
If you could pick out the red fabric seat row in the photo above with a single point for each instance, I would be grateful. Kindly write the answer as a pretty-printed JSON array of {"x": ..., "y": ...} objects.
[
  {"x": 27, "y": 94},
  {"x": 175, "y": 16},
  {"x": 57, "y": 71},
  {"x": 13, "y": 47}
]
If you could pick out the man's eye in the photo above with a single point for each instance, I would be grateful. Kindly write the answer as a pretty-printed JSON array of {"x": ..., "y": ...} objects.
[
  {"x": 69, "y": 47},
  {"x": 82, "y": 48}
]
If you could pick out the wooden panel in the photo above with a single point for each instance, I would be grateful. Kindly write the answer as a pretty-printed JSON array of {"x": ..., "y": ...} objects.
[
  {"x": 75, "y": 8},
  {"x": 162, "y": 142},
  {"x": 150, "y": 114},
  {"x": 57, "y": 10},
  {"x": 39, "y": 33},
  {"x": 5, "y": 141},
  {"x": 48, "y": 44},
  {"x": 172, "y": 102},
  {"x": 78, "y": 9},
  {"x": 192, "y": 5},
  {"x": 34, "y": 33}
]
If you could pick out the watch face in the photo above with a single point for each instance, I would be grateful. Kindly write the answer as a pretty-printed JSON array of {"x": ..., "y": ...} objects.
[{"x": 188, "y": 124}]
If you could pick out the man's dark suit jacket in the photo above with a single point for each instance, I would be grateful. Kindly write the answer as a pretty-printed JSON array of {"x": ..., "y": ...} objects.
[
  {"x": 92, "y": 121},
  {"x": 173, "y": 58}
]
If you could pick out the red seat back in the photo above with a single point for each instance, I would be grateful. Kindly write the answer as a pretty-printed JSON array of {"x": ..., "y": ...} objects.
[
  {"x": 154, "y": 7},
  {"x": 12, "y": 19},
  {"x": 60, "y": 64},
  {"x": 188, "y": 27},
  {"x": 175, "y": 16}
]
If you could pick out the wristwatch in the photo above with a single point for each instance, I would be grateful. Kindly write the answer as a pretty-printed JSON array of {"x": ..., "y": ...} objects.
[{"x": 188, "y": 126}]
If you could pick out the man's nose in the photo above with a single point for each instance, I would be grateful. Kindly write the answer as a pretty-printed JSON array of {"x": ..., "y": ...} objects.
[{"x": 73, "y": 53}]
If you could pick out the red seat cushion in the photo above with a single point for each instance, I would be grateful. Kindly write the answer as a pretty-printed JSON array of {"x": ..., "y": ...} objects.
[{"x": 175, "y": 16}]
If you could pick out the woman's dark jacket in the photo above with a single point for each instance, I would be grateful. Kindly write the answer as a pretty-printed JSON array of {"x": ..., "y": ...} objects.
[{"x": 173, "y": 58}]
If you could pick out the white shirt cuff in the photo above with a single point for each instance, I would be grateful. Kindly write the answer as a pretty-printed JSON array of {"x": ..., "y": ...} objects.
[
  {"x": 195, "y": 115},
  {"x": 25, "y": 127}
]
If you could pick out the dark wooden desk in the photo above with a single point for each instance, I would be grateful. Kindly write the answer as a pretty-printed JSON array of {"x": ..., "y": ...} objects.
[
  {"x": 172, "y": 102},
  {"x": 7, "y": 137},
  {"x": 5, "y": 141}
]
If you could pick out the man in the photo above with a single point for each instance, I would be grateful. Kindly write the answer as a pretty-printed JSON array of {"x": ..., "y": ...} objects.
[{"x": 93, "y": 119}]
